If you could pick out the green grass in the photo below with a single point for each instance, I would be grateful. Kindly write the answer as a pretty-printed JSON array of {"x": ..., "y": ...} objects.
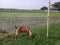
[
  {"x": 21, "y": 11},
  {"x": 6, "y": 13},
  {"x": 40, "y": 36},
  {"x": 55, "y": 14}
]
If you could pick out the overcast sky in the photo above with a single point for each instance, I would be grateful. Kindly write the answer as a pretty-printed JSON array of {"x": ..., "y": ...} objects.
[{"x": 25, "y": 4}]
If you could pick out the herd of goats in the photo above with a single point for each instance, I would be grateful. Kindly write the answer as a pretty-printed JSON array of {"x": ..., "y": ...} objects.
[{"x": 20, "y": 29}]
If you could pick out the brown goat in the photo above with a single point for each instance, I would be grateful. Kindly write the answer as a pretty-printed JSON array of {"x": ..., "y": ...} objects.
[
  {"x": 23, "y": 29},
  {"x": 3, "y": 31}
]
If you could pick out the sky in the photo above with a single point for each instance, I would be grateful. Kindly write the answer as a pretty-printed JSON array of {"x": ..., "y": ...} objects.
[{"x": 25, "y": 4}]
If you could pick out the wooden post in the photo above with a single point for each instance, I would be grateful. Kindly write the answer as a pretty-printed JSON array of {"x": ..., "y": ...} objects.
[{"x": 48, "y": 16}]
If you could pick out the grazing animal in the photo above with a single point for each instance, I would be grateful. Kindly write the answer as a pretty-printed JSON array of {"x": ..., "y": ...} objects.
[
  {"x": 23, "y": 29},
  {"x": 3, "y": 31}
]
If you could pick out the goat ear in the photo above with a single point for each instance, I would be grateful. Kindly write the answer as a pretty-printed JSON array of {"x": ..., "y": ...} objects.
[{"x": 15, "y": 26}]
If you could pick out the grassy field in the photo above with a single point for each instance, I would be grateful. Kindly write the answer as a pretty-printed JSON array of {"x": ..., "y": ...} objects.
[
  {"x": 8, "y": 18},
  {"x": 40, "y": 36}
]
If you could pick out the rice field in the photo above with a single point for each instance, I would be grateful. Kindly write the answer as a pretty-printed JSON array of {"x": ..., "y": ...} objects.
[{"x": 30, "y": 19}]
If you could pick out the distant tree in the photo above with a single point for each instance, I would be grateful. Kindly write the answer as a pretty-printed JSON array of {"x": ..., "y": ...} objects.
[
  {"x": 56, "y": 5},
  {"x": 44, "y": 8},
  {"x": 1, "y": 8}
]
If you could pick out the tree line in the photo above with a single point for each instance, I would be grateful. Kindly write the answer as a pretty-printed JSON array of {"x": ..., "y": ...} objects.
[{"x": 55, "y": 6}]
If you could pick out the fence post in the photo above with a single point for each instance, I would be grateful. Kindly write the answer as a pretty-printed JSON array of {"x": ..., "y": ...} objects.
[{"x": 48, "y": 16}]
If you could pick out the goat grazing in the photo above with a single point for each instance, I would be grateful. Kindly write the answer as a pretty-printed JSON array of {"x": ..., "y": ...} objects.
[{"x": 23, "y": 29}]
